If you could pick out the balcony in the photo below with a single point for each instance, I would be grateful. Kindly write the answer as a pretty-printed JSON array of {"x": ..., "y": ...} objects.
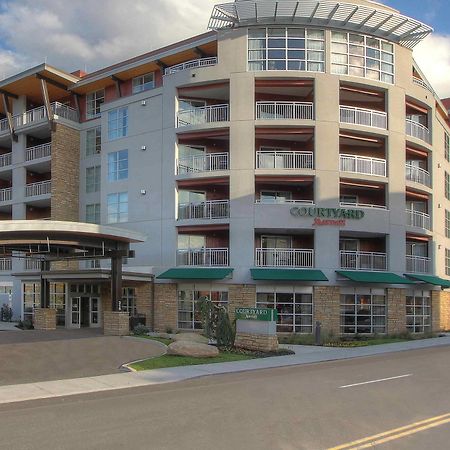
[
  {"x": 418, "y": 219},
  {"x": 203, "y": 115},
  {"x": 5, "y": 160},
  {"x": 32, "y": 264},
  {"x": 418, "y": 175},
  {"x": 362, "y": 116},
  {"x": 38, "y": 151},
  {"x": 211, "y": 257},
  {"x": 422, "y": 83},
  {"x": 362, "y": 164},
  {"x": 193, "y": 64},
  {"x": 5, "y": 195},
  {"x": 282, "y": 201},
  {"x": 418, "y": 264},
  {"x": 209, "y": 162},
  {"x": 417, "y": 130},
  {"x": 354, "y": 260},
  {"x": 361, "y": 205},
  {"x": 40, "y": 188},
  {"x": 5, "y": 264},
  {"x": 284, "y": 111},
  {"x": 284, "y": 257},
  {"x": 284, "y": 160},
  {"x": 214, "y": 209}
]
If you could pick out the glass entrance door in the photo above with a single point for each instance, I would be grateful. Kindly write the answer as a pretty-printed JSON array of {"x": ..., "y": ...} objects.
[{"x": 75, "y": 312}]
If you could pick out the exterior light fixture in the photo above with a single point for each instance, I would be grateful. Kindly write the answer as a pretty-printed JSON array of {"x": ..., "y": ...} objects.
[
  {"x": 143, "y": 102},
  {"x": 143, "y": 192},
  {"x": 143, "y": 147}
]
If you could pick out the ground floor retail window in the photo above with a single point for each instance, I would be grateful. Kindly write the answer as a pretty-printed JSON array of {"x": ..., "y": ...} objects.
[
  {"x": 188, "y": 311},
  {"x": 295, "y": 309},
  {"x": 363, "y": 311},
  {"x": 418, "y": 311},
  {"x": 129, "y": 301}
]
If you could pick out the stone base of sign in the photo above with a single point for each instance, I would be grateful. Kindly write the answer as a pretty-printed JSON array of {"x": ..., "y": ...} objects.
[
  {"x": 44, "y": 319},
  {"x": 258, "y": 342},
  {"x": 116, "y": 323}
]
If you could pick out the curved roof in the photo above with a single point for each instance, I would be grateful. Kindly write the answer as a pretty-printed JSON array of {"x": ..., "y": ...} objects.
[{"x": 369, "y": 18}]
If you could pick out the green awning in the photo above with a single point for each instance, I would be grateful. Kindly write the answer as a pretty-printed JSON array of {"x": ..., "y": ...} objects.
[
  {"x": 196, "y": 273},
  {"x": 430, "y": 279},
  {"x": 288, "y": 274},
  {"x": 373, "y": 277}
]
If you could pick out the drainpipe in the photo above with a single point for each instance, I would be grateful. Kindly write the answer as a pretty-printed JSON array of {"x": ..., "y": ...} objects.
[{"x": 153, "y": 304}]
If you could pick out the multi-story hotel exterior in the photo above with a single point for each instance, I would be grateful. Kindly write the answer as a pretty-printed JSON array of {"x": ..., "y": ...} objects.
[{"x": 292, "y": 157}]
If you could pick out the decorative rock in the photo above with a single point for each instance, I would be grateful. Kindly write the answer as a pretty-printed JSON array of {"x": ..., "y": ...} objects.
[
  {"x": 194, "y": 349},
  {"x": 190, "y": 337}
]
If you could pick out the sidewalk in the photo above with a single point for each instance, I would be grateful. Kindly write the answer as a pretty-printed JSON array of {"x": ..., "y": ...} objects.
[{"x": 303, "y": 355}]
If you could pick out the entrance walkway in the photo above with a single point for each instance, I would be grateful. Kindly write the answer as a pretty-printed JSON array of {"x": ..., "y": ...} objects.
[{"x": 35, "y": 356}]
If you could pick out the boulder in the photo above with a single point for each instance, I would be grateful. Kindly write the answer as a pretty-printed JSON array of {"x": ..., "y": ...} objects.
[
  {"x": 194, "y": 349},
  {"x": 190, "y": 337}
]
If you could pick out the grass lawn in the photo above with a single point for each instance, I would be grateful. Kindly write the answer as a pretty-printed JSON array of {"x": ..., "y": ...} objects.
[{"x": 365, "y": 343}]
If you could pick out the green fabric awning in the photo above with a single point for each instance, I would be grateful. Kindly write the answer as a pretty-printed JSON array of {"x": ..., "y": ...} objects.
[
  {"x": 430, "y": 279},
  {"x": 288, "y": 274},
  {"x": 373, "y": 277},
  {"x": 196, "y": 273}
]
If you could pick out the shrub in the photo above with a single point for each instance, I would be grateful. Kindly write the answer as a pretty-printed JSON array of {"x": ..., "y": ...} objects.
[
  {"x": 224, "y": 330},
  {"x": 169, "y": 330},
  {"x": 27, "y": 324},
  {"x": 140, "y": 330}
]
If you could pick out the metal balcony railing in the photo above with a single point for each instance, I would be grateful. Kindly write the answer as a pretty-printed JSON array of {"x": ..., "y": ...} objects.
[
  {"x": 418, "y": 219},
  {"x": 209, "y": 162},
  {"x": 354, "y": 260},
  {"x": 422, "y": 83},
  {"x": 32, "y": 264},
  {"x": 362, "y": 116},
  {"x": 38, "y": 151},
  {"x": 203, "y": 115},
  {"x": 40, "y": 188},
  {"x": 214, "y": 209},
  {"x": 284, "y": 110},
  {"x": 418, "y": 175},
  {"x": 193, "y": 64},
  {"x": 202, "y": 257},
  {"x": 417, "y": 130},
  {"x": 5, "y": 160},
  {"x": 5, "y": 194},
  {"x": 5, "y": 264},
  {"x": 282, "y": 201},
  {"x": 39, "y": 113},
  {"x": 362, "y": 164},
  {"x": 284, "y": 257},
  {"x": 418, "y": 264},
  {"x": 284, "y": 160},
  {"x": 361, "y": 205}
]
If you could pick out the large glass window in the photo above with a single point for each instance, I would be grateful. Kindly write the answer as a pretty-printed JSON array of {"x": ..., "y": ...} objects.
[
  {"x": 118, "y": 165},
  {"x": 94, "y": 101},
  {"x": 118, "y": 123},
  {"x": 447, "y": 223},
  {"x": 295, "y": 309},
  {"x": 117, "y": 207},
  {"x": 93, "y": 141},
  {"x": 32, "y": 299},
  {"x": 362, "y": 56},
  {"x": 188, "y": 312},
  {"x": 363, "y": 312},
  {"x": 418, "y": 311},
  {"x": 129, "y": 301},
  {"x": 93, "y": 179},
  {"x": 93, "y": 213},
  {"x": 447, "y": 261},
  {"x": 447, "y": 186},
  {"x": 447, "y": 146},
  {"x": 58, "y": 302},
  {"x": 286, "y": 49},
  {"x": 143, "y": 83}
]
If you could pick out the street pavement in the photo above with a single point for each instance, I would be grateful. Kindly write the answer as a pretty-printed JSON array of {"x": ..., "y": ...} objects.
[{"x": 313, "y": 407}]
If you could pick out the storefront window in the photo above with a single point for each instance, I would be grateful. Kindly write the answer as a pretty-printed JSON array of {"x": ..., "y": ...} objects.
[
  {"x": 58, "y": 301},
  {"x": 129, "y": 301},
  {"x": 418, "y": 311}
]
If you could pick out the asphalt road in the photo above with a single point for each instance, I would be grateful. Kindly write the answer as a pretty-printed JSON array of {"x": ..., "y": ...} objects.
[{"x": 302, "y": 407}]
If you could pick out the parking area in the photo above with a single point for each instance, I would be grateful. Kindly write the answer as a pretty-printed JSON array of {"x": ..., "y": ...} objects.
[{"x": 31, "y": 356}]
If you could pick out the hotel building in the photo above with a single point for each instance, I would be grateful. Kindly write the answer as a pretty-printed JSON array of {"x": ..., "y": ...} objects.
[{"x": 293, "y": 157}]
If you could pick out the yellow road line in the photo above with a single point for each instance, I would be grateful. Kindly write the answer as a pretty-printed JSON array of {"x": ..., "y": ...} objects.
[{"x": 395, "y": 433}]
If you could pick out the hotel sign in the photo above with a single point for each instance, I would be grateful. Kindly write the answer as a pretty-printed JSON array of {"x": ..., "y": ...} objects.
[
  {"x": 328, "y": 216},
  {"x": 264, "y": 314}
]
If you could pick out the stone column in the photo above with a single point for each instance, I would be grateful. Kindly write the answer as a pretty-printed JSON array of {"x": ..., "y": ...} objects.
[
  {"x": 396, "y": 311},
  {"x": 327, "y": 307},
  {"x": 44, "y": 319},
  {"x": 436, "y": 303},
  {"x": 241, "y": 295},
  {"x": 445, "y": 311},
  {"x": 116, "y": 323},
  {"x": 165, "y": 307}
]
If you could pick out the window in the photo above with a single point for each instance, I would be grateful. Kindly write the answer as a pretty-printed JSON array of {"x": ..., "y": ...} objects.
[
  {"x": 93, "y": 179},
  {"x": 447, "y": 223},
  {"x": 418, "y": 311},
  {"x": 118, "y": 123},
  {"x": 117, "y": 207},
  {"x": 447, "y": 146},
  {"x": 94, "y": 100},
  {"x": 188, "y": 312},
  {"x": 286, "y": 49},
  {"x": 362, "y": 56},
  {"x": 295, "y": 309},
  {"x": 93, "y": 213},
  {"x": 143, "y": 83},
  {"x": 32, "y": 299},
  {"x": 129, "y": 301},
  {"x": 93, "y": 141},
  {"x": 447, "y": 186},
  {"x": 363, "y": 312},
  {"x": 58, "y": 302},
  {"x": 118, "y": 165},
  {"x": 447, "y": 261}
]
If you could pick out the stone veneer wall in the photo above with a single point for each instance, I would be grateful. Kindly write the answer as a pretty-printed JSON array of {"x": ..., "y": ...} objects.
[
  {"x": 396, "y": 311},
  {"x": 258, "y": 342},
  {"x": 116, "y": 323},
  {"x": 165, "y": 306},
  {"x": 44, "y": 319},
  {"x": 326, "y": 304},
  {"x": 241, "y": 295},
  {"x": 445, "y": 311},
  {"x": 436, "y": 310}
]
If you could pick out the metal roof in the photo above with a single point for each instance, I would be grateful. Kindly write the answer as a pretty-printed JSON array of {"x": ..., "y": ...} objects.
[{"x": 384, "y": 23}]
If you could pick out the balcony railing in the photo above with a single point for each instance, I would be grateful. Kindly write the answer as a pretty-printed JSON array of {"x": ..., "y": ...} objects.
[
  {"x": 284, "y": 257},
  {"x": 40, "y": 188},
  {"x": 422, "y": 83},
  {"x": 284, "y": 110},
  {"x": 282, "y": 201},
  {"x": 193, "y": 64},
  {"x": 32, "y": 264},
  {"x": 361, "y": 205},
  {"x": 5, "y": 264},
  {"x": 363, "y": 164},
  {"x": 5, "y": 160},
  {"x": 418, "y": 219},
  {"x": 202, "y": 257},
  {"x": 362, "y": 116},
  {"x": 203, "y": 115},
  {"x": 417, "y": 130},
  {"x": 418, "y": 175},
  {"x": 354, "y": 260},
  {"x": 214, "y": 209},
  {"x": 418, "y": 264},
  {"x": 5, "y": 195},
  {"x": 38, "y": 151},
  {"x": 209, "y": 162},
  {"x": 284, "y": 160},
  {"x": 39, "y": 113}
]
